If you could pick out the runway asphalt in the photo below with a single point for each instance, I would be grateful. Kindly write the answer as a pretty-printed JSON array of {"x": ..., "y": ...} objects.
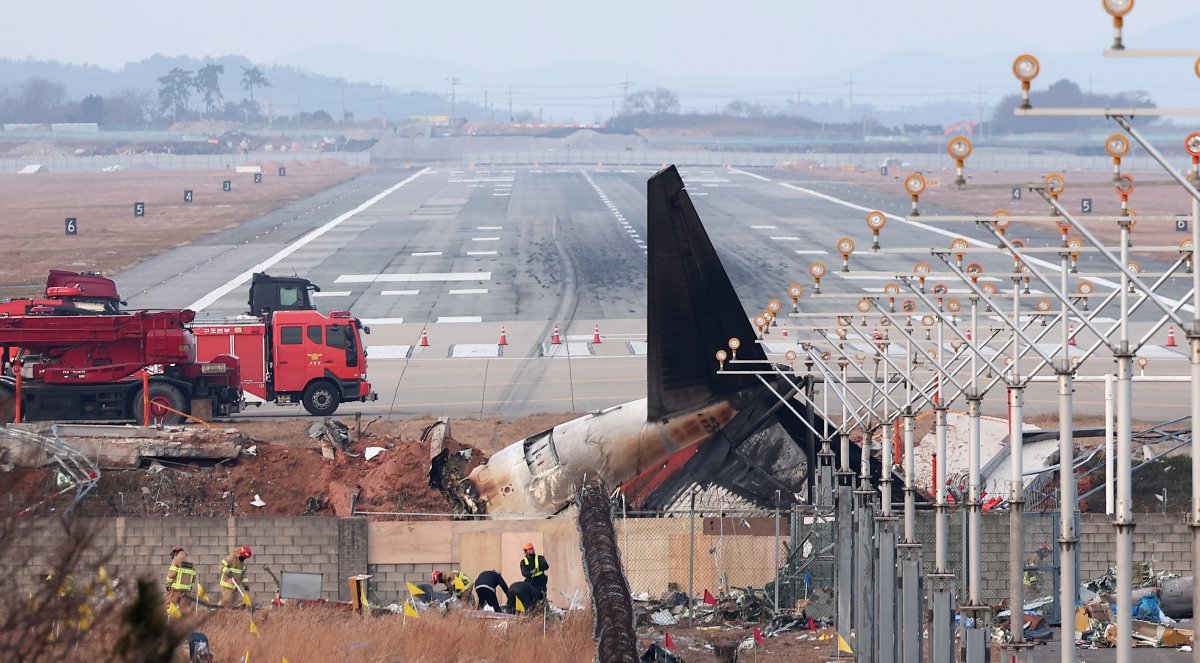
[{"x": 463, "y": 253}]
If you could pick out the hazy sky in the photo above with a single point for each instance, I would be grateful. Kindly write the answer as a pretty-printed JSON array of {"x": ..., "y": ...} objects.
[{"x": 767, "y": 39}]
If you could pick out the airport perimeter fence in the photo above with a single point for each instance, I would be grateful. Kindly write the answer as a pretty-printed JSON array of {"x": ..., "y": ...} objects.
[
  {"x": 733, "y": 552},
  {"x": 160, "y": 161},
  {"x": 999, "y": 159}
]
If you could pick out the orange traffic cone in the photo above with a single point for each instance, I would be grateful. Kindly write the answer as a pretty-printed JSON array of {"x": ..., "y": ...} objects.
[
  {"x": 557, "y": 340},
  {"x": 1071, "y": 335},
  {"x": 1171, "y": 336},
  {"x": 503, "y": 337},
  {"x": 424, "y": 339},
  {"x": 596, "y": 335}
]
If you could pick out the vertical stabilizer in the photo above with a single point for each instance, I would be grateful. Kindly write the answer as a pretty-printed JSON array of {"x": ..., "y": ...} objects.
[{"x": 693, "y": 309}]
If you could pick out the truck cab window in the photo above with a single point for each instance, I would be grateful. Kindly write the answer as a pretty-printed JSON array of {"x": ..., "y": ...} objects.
[
  {"x": 291, "y": 336},
  {"x": 314, "y": 334},
  {"x": 335, "y": 336},
  {"x": 289, "y": 296}
]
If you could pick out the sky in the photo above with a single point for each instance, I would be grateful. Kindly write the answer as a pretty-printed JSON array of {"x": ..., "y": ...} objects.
[{"x": 497, "y": 40}]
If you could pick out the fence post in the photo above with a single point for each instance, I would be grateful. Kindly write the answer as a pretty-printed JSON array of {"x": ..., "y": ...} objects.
[
  {"x": 692, "y": 563},
  {"x": 777, "y": 493}
]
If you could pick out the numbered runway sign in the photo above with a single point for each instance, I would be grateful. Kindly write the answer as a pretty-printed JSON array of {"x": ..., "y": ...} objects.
[
  {"x": 187, "y": 195},
  {"x": 258, "y": 178},
  {"x": 227, "y": 185},
  {"x": 72, "y": 226},
  {"x": 139, "y": 209}
]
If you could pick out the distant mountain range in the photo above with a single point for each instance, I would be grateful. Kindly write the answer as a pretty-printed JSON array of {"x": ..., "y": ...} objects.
[{"x": 912, "y": 87}]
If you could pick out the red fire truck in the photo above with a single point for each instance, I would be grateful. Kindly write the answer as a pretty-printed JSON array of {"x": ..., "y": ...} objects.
[
  {"x": 289, "y": 352},
  {"x": 77, "y": 336}
]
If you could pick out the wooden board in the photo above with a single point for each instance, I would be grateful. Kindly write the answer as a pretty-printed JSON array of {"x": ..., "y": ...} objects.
[
  {"x": 408, "y": 543},
  {"x": 478, "y": 552}
]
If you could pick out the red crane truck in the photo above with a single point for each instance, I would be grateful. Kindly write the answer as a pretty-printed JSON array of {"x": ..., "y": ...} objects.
[
  {"x": 291, "y": 353},
  {"x": 60, "y": 364}
]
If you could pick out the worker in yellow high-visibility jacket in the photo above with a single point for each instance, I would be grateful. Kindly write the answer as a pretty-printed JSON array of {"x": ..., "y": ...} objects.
[
  {"x": 181, "y": 577},
  {"x": 233, "y": 577}
]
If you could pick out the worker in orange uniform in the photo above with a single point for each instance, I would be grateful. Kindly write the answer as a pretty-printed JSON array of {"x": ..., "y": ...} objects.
[
  {"x": 181, "y": 576},
  {"x": 533, "y": 569},
  {"x": 233, "y": 577}
]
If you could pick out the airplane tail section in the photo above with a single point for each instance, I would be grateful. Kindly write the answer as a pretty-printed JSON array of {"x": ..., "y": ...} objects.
[{"x": 693, "y": 309}]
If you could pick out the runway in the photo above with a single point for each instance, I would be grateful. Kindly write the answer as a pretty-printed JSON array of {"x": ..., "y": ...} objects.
[{"x": 462, "y": 253}]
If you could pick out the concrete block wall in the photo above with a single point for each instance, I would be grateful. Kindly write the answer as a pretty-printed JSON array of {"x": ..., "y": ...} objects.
[
  {"x": 1163, "y": 539},
  {"x": 387, "y": 584},
  {"x": 133, "y": 547}
]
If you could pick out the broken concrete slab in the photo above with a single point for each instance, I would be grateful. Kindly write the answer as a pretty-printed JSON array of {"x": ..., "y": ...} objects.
[{"x": 127, "y": 447}]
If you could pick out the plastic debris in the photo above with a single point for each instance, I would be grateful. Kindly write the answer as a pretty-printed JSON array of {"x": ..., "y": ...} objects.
[
  {"x": 257, "y": 501},
  {"x": 371, "y": 452}
]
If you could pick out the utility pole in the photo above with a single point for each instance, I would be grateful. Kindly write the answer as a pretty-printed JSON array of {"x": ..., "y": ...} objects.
[
  {"x": 382, "y": 119},
  {"x": 510, "y": 113},
  {"x": 850, "y": 110},
  {"x": 342, "y": 86},
  {"x": 485, "y": 101},
  {"x": 625, "y": 96},
  {"x": 453, "y": 83}
]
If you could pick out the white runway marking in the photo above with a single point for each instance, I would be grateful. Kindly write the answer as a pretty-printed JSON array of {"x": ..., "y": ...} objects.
[
  {"x": 489, "y": 227},
  {"x": 485, "y": 239},
  {"x": 382, "y": 321},
  {"x": 460, "y": 318},
  {"x": 469, "y": 291},
  {"x": 420, "y": 254},
  {"x": 786, "y": 238},
  {"x": 403, "y": 293},
  {"x": 474, "y": 350},
  {"x": 501, "y": 194},
  {"x": 389, "y": 351},
  {"x": 333, "y": 293},
  {"x": 762, "y": 227},
  {"x": 419, "y": 277},
  {"x": 481, "y": 253},
  {"x": 812, "y": 252},
  {"x": 210, "y": 298}
]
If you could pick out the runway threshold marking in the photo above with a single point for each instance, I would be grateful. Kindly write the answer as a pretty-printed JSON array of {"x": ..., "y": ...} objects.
[{"x": 208, "y": 299}]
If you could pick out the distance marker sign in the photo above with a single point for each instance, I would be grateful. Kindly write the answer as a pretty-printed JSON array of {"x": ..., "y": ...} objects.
[{"x": 71, "y": 226}]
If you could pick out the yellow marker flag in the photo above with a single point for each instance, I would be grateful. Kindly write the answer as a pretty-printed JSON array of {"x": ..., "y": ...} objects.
[
  {"x": 245, "y": 599},
  {"x": 844, "y": 646},
  {"x": 520, "y": 606},
  {"x": 414, "y": 590},
  {"x": 285, "y": 659},
  {"x": 409, "y": 611},
  {"x": 200, "y": 593},
  {"x": 247, "y": 658},
  {"x": 173, "y": 611},
  {"x": 253, "y": 627}
]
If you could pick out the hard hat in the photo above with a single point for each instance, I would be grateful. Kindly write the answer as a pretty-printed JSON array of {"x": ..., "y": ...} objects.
[
  {"x": 1045, "y": 546},
  {"x": 244, "y": 551},
  {"x": 437, "y": 577},
  {"x": 528, "y": 546},
  {"x": 176, "y": 550}
]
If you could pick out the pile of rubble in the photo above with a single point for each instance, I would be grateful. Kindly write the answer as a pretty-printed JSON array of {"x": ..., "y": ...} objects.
[{"x": 1160, "y": 599}]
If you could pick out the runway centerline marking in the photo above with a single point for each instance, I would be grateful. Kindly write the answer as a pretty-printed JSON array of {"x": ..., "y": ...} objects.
[
  {"x": 469, "y": 291},
  {"x": 485, "y": 239},
  {"x": 482, "y": 253},
  {"x": 419, "y": 277},
  {"x": 403, "y": 293},
  {"x": 333, "y": 293},
  {"x": 420, "y": 254}
]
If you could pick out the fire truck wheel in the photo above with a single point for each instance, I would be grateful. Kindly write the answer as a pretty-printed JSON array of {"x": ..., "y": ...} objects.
[
  {"x": 160, "y": 395},
  {"x": 8, "y": 404},
  {"x": 321, "y": 399}
]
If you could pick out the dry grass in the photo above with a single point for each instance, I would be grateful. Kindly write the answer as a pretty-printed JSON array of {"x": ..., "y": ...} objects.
[{"x": 318, "y": 634}]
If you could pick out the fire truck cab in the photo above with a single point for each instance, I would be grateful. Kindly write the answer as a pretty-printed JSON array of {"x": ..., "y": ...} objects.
[{"x": 290, "y": 353}]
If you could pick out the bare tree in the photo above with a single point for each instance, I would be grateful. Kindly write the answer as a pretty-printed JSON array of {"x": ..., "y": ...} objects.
[
  {"x": 174, "y": 91},
  {"x": 208, "y": 84},
  {"x": 253, "y": 77}
]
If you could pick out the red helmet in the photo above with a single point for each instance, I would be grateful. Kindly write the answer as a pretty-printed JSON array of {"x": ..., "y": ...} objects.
[
  {"x": 244, "y": 552},
  {"x": 176, "y": 550},
  {"x": 437, "y": 577}
]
